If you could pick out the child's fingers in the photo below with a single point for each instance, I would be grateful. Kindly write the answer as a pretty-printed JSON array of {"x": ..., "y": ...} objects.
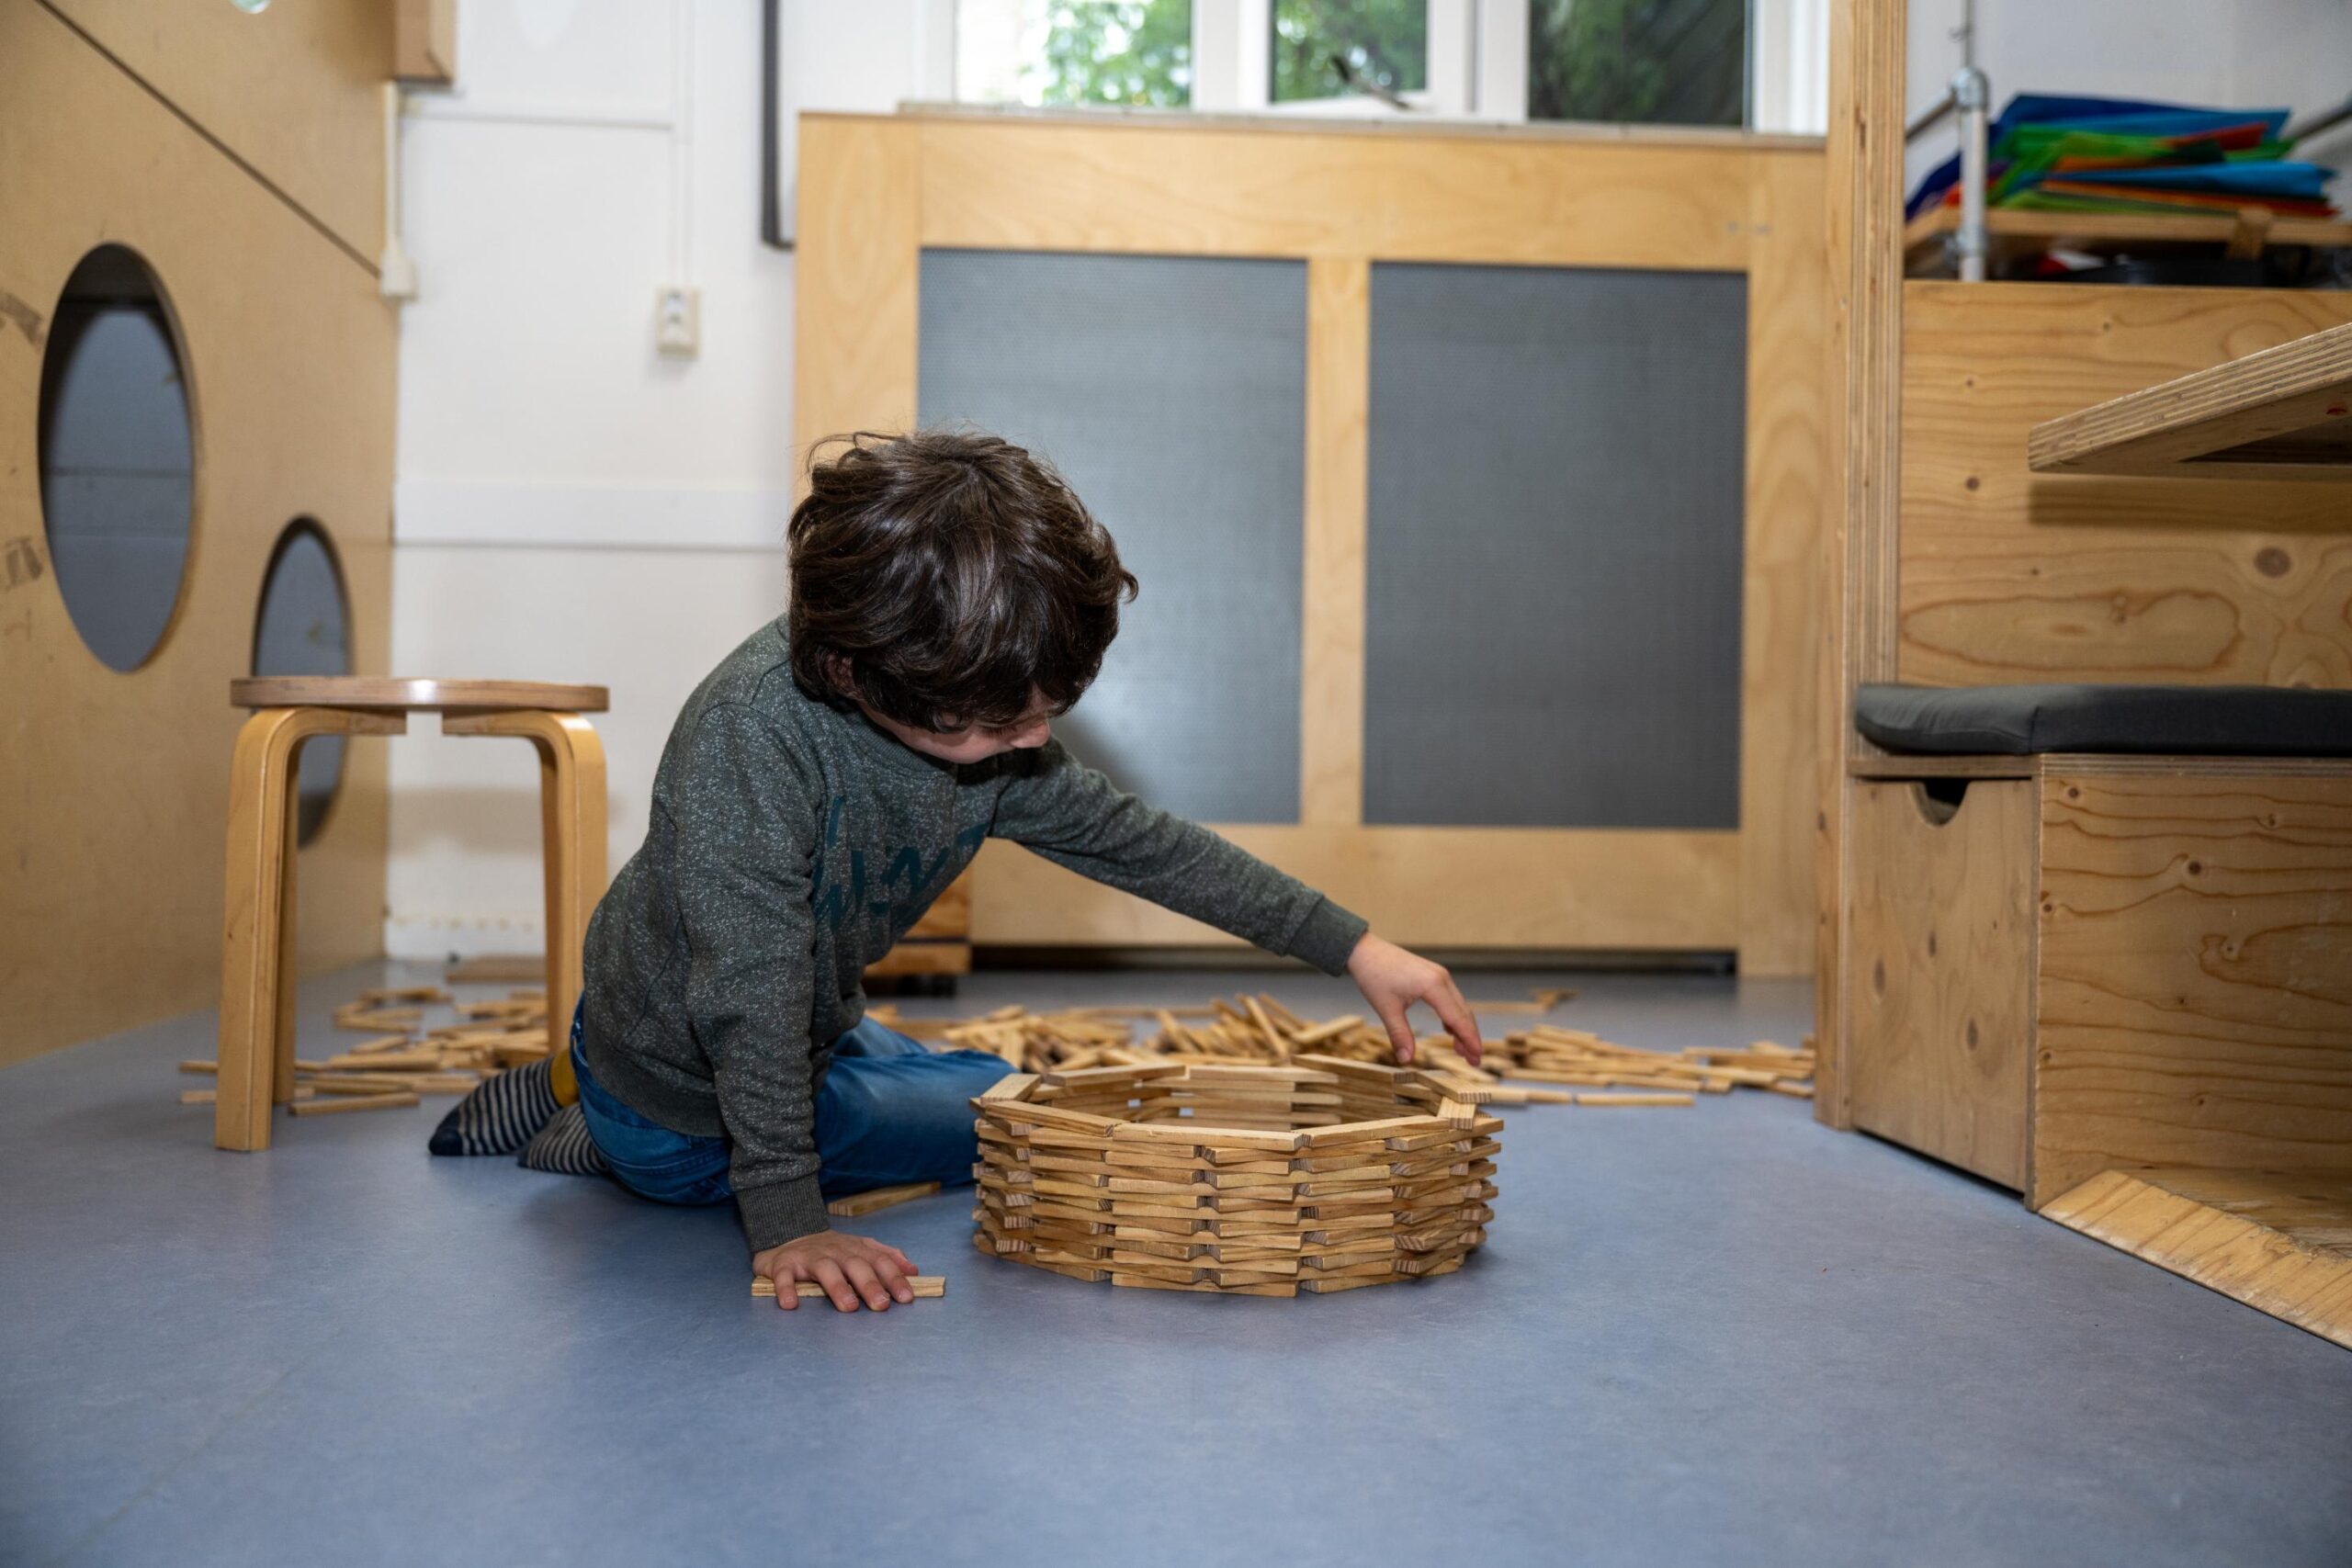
[
  {"x": 1400, "y": 1032},
  {"x": 1445, "y": 999},
  {"x": 890, "y": 1266},
  {"x": 786, "y": 1298},
  {"x": 828, "y": 1273},
  {"x": 867, "y": 1284}
]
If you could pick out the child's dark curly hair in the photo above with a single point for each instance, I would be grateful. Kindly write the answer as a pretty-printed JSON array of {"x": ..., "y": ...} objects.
[{"x": 948, "y": 578}]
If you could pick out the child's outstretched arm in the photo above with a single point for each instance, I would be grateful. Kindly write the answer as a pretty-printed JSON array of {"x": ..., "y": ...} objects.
[{"x": 1075, "y": 817}]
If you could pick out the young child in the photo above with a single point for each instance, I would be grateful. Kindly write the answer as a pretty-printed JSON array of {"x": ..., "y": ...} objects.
[{"x": 950, "y": 598}]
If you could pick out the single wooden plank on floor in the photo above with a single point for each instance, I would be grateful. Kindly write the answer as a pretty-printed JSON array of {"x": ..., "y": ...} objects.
[
  {"x": 878, "y": 1197},
  {"x": 926, "y": 1287}
]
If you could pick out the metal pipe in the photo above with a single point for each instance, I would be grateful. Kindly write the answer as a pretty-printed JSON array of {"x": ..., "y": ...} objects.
[{"x": 1974, "y": 242}]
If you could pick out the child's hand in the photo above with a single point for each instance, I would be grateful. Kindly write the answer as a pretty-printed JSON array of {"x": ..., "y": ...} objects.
[
  {"x": 1393, "y": 979},
  {"x": 853, "y": 1268}
]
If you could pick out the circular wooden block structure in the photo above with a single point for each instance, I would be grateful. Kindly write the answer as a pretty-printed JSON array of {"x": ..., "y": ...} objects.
[{"x": 1319, "y": 1176}]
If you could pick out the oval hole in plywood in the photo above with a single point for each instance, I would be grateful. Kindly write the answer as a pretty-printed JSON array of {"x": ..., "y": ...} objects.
[
  {"x": 303, "y": 627},
  {"x": 117, "y": 456}
]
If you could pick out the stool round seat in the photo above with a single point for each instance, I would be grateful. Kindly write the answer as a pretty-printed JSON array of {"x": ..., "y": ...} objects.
[{"x": 393, "y": 693}]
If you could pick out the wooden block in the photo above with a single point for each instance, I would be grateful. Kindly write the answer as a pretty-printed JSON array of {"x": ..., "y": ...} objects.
[
  {"x": 377, "y": 1045},
  {"x": 380, "y": 994},
  {"x": 926, "y": 1287},
  {"x": 1589, "y": 1098},
  {"x": 1795, "y": 1090},
  {"x": 336, "y": 1104},
  {"x": 379, "y": 1062},
  {"x": 876, "y": 1199},
  {"x": 199, "y": 1067}
]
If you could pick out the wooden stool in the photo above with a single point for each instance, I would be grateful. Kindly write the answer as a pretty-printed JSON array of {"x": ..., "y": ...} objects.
[{"x": 257, "y": 926}]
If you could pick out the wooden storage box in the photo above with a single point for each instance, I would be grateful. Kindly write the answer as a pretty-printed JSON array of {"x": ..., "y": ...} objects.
[{"x": 2124, "y": 987}]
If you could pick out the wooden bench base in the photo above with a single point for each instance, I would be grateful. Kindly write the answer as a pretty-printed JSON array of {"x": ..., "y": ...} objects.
[{"x": 2124, "y": 987}]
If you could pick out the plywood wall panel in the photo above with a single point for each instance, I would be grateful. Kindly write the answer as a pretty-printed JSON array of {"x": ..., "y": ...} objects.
[
  {"x": 114, "y": 787},
  {"x": 292, "y": 90},
  {"x": 2010, "y": 576}
]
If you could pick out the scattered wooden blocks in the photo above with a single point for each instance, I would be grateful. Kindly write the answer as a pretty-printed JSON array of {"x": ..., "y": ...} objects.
[
  {"x": 879, "y": 1198},
  {"x": 926, "y": 1287}
]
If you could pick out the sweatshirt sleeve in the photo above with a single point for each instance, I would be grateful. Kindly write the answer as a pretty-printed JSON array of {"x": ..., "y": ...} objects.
[
  {"x": 743, "y": 858},
  {"x": 1076, "y": 818}
]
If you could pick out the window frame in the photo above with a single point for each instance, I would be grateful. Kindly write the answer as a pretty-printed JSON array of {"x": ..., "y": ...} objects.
[{"x": 1477, "y": 64}]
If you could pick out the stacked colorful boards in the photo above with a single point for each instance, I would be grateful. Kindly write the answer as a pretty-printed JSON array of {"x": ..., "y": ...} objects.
[
  {"x": 2064, "y": 155},
  {"x": 1320, "y": 1175}
]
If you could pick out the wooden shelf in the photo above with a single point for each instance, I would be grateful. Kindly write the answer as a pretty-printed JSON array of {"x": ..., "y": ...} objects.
[
  {"x": 2284, "y": 412},
  {"x": 2018, "y": 234},
  {"x": 2281, "y": 1244}
]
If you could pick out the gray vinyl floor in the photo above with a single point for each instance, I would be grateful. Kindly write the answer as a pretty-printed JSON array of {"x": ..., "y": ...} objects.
[{"x": 1715, "y": 1336}]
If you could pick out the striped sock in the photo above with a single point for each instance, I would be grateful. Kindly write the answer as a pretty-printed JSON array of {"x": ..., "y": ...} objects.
[
  {"x": 564, "y": 1147},
  {"x": 500, "y": 1116}
]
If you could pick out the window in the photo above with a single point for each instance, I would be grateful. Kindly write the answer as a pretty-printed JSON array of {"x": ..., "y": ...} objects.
[
  {"x": 1727, "y": 62},
  {"x": 118, "y": 459},
  {"x": 1325, "y": 49},
  {"x": 1660, "y": 62},
  {"x": 1130, "y": 53}
]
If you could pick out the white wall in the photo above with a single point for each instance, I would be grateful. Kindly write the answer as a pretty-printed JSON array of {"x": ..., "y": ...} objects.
[
  {"x": 571, "y": 505},
  {"x": 2243, "y": 54}
]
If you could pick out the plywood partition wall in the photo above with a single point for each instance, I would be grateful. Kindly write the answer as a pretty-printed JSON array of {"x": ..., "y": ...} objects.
[
  {"x": 877, "y": 192},
  {"x": 113, "y": 784}
]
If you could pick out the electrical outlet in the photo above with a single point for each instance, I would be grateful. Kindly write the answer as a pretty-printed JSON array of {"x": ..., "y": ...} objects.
[{"x": 677, "y": 321}]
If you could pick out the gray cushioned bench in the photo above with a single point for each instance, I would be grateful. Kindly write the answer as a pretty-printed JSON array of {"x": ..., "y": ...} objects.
[{"x": 2023, "y": 721}]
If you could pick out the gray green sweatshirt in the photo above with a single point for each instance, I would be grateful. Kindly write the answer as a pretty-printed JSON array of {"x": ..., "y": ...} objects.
[{"x": 790, "y": 845}]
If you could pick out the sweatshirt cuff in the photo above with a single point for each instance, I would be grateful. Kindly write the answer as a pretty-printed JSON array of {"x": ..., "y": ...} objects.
[
  {"x": 1328, "y": 936},
  {"x": 784, "y": 1211}
]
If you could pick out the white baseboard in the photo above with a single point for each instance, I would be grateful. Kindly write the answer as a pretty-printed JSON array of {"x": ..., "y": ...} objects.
[{"x": 532, "y": 515}]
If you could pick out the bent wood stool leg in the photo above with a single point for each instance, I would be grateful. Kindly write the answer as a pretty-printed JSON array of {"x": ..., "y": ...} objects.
[
  {"x": 571, "y": 823},
  {"x": 256, "y": 933}
]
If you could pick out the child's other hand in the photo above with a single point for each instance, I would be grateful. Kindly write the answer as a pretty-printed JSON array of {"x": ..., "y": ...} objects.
[
  {"x": 853, "y": 1270},
  {"x": 1392, "y": 980}
]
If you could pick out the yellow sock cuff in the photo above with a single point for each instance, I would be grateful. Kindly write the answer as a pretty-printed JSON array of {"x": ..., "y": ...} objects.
[{"x": 561, "y": 1079}]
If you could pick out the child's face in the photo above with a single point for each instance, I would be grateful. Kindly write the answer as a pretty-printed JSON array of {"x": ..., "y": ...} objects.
[{"x": 977, "y": 743}]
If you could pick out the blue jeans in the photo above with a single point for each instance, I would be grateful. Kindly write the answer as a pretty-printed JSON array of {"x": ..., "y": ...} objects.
[{"x": 889, "y": 1111}]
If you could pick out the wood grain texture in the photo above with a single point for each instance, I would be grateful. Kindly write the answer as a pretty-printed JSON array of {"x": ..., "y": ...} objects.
[
  {"x": 1437, "y": 886},
  {"x": 1780, "y": 790},
  {"x": 1189, "y": 190},
  {"x": 2195, "y": 974},
  {"x": 1862, "y": 211},
  {"x": 2275, "y": 413},
  {"x": 2010, "y": 576},
  {"x": 2280, "y": 1243},
  {"x": 857, "y": 270},
  {"x": 1939, "y": 924},
  {"x": 115, "y": 783},
  {"x": 1331, "y": 677},
  {"x": 292, "y": 91}
]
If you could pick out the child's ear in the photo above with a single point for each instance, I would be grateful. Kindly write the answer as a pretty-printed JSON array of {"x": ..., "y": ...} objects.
[{"x": 837, "y": 670}]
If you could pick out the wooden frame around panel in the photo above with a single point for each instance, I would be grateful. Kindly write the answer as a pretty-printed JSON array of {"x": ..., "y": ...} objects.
[{"x": 877, "y": 190}]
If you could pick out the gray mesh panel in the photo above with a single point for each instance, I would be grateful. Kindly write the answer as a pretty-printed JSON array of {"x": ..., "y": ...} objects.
[
  {"x": 1555, "y": 552},
  {"x": 1171, "y": 392}
]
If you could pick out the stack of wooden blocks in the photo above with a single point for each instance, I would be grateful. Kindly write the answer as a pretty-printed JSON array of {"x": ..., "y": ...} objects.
[{"x": 1319, "y": 1175}]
